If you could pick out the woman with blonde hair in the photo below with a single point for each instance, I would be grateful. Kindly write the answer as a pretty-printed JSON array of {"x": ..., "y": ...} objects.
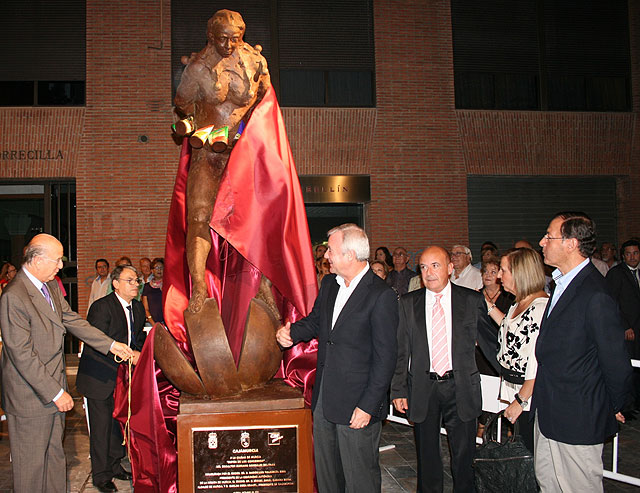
[{"x": 522, "y": 274}]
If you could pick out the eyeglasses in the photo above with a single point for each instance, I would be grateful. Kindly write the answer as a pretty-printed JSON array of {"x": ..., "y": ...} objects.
[
  {"x": 547, "y": 237},
  {"x": 457, "y": 254},
  {"x": 58, "y": 261},
  {"x": 400, "y": 255},
  {"x": 132, "y": 282}
]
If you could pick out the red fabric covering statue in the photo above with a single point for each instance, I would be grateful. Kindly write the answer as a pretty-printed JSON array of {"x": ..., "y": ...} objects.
[{"x": 258, "y": 228}]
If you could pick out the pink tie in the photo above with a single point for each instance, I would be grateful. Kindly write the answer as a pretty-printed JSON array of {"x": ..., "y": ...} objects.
[{"x": 440, "y": 350}]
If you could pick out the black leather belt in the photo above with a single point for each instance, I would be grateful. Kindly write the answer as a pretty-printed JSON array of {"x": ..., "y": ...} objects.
[{"x": 434, "y": 376}]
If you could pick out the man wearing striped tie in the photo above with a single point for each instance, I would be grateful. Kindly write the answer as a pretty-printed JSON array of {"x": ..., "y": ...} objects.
[{"x": 436, "y": 377}]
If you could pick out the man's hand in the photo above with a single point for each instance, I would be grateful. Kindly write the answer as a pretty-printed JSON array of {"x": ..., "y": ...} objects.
[
  {"x": 401, "y": 405},
  {"x": 629, "y": 335},
  {"x": 135, "y": 357},
  {"x": 620, "y": 417},
  {"x": 283, "y": 336},
  {"x": 64, "y": 403},
  {"x": 121, "y": 350},
  {"x": 359, "y": 419}
]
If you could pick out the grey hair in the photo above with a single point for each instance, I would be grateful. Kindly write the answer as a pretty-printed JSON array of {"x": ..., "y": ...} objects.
[
  {"x": 33, "y": 251},
  {"x": 118, "y": 270},
  {"x": 353, "y": 238},
  {"x": 466, "y": 250}
]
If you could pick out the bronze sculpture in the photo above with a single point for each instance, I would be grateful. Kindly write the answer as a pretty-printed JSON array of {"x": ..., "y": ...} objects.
[{"x": 220, "y": 87}]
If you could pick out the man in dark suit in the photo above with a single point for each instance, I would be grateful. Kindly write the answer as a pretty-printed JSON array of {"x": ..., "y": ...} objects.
[
  {"x": 120, "y": 316},
  {"x": 34, "y": 318},
  {"x": 624, "y": 281},
  {"x": 583, "y": 369},
  {"x": 354, "y": 320},
  {"x": 436, "y": 377}
]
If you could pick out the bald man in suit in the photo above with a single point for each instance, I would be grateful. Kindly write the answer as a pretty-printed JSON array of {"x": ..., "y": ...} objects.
[{"x": 34, "y": 318}]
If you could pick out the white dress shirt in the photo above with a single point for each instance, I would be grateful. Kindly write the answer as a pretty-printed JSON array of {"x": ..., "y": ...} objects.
[
  {"x": 445, "y": 301},
  {"x": 345, "y": 292},
  {"x": 126, "y": 316},
  {"x": 563, "y": 280}
]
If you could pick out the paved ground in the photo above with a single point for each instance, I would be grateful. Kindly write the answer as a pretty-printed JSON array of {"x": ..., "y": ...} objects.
[{"x": 398, "y": 464}]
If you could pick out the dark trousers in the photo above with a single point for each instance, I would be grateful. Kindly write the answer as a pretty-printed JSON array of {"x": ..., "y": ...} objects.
[
  {"x": 346, "y": 460},
  {"x": 105, "y": 440},
  {"x": 462, "y": 442}
]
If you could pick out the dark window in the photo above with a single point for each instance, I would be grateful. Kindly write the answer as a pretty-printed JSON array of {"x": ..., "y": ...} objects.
[
  {"x": 319, "y": 53},
  {"x": 60, "y": 93},
  {"x": 43, "y": 42},
  {"x": 559, "y": 55},
  {"x": 504, "y": 209},
  {"x": 16, "y": 93}
]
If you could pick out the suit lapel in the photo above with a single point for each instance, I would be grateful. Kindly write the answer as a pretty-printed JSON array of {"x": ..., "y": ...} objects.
[
  {"x": 358, "y": 295},
  {"x": 56, "y": 294},
  {"x": 457, "y": 314},
  {"x": 634, "y": 285},
  {"x": 420, "y": 340},
  {"x": 39, "y": 302},
  {"x": 331, "y": 301},
  {"x": 121, "y": 327},
  {"x": 567, "y": 296}
]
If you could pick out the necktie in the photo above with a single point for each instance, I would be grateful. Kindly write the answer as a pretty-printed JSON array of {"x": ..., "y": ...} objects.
[
  {"x": 634, "y": 273},
  {"x": 440, "y": 352},
  {"x": 45, "y": 292},
  {"x": 130, "y": 325}
]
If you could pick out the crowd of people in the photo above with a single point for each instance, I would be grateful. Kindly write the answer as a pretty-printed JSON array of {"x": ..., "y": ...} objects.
[
  {"x": 557, "y": 324},
  {"x": 559, "y": 340}
]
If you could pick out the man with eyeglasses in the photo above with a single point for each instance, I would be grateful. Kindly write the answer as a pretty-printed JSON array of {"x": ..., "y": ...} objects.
[
  {"x": 34, "y": 318},
  {"x": 400, "y": 276},
  {"x": 464, "y": 274},
  {"x": 120, "y": 316},
  {"x": 584, "y": 372}
]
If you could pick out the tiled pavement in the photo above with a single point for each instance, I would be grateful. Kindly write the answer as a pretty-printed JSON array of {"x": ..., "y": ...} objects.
[{"x": 398, "y": 464}]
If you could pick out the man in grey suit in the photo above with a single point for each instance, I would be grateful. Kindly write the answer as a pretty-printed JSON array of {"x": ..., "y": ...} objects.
[
  {"x": 354, "y": 320},
  {"x": 34, "y": 318},
  {"x": 436, "y": 378}
]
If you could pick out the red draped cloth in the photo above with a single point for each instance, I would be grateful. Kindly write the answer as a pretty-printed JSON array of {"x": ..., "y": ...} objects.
[{"x": 258, "y": 227}]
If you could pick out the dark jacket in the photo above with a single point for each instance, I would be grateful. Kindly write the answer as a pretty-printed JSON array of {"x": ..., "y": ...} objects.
[
  {"x": 584, "y": 372},
  {"x": 411, "y": 379},
  {"x": 96, "y": 372},
  {"x": 356, "y": 359}
]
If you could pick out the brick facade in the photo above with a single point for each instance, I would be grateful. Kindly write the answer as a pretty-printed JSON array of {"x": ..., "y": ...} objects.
[{"x": 416, "y": 146}]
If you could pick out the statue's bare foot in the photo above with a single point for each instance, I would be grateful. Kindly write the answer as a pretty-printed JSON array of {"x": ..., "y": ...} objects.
[{"x": 198, "y": 297}]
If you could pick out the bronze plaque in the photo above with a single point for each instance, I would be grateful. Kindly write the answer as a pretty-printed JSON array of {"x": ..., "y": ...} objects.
[
  {"x": 335, "y": 188},
  {"x": 245, "y": 459}
]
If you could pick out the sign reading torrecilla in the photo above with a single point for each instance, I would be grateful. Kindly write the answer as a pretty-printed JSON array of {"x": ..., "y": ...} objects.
[{"x": 252, "y": 459}]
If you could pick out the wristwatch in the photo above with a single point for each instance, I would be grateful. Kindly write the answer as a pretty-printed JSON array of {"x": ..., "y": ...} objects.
[{"x": 524, "y": 404}]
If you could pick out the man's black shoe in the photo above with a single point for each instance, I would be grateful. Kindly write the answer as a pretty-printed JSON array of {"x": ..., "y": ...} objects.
[
  {"x": 123, "y": 475},
  {"x": 106, "y": 487}
]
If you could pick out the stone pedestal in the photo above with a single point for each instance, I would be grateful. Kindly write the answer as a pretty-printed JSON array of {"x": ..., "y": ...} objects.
[{"x": 257, "y": 441}]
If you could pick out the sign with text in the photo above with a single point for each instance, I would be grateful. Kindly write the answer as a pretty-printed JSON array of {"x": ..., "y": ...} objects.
[
  {"x": 318, "y": 189},
  {"x": 248, "y": 459}
]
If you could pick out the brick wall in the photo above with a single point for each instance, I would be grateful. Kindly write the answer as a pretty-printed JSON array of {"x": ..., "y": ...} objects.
[{"x": 416, "y": 146}]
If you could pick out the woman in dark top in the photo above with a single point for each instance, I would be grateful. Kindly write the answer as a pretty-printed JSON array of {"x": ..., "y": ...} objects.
[
  {"x": 152, "y": 293},
  {"x": 493, "y": 293}
]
